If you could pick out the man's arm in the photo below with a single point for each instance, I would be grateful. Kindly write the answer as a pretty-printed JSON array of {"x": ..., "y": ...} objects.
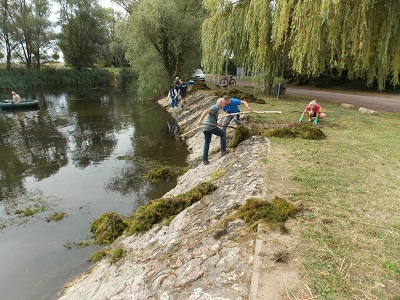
[
  {"x": 203, "y": 115},
  {"x": 247, "y": 105}
]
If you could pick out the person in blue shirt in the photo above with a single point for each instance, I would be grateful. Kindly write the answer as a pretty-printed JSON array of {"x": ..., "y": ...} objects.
[
  {"x": 232, "y": 107},
  {"x": 210, "y": 127}
]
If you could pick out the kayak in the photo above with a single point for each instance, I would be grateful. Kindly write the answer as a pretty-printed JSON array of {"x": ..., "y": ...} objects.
[{"x": 8, "y": 104}]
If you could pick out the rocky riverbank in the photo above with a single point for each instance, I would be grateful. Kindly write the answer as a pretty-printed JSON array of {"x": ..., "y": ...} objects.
[{"x": 201, "y": 254}]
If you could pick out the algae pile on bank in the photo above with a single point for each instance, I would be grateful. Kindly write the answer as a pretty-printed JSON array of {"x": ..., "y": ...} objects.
[{"x": 110, "y": 225}]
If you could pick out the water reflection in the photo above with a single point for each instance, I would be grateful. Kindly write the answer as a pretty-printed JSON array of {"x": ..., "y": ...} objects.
[{"x": 65, "y": 157}]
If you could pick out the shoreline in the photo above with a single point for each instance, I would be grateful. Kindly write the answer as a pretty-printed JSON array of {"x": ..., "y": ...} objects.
[{"x": 201, "y": 254}]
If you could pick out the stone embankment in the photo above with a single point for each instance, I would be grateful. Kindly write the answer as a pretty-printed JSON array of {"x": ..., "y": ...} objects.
[{"x": 200, "y": 255}]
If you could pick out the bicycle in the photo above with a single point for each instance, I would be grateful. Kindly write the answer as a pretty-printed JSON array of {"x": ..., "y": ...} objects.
[{"x": 226, "y": 81}]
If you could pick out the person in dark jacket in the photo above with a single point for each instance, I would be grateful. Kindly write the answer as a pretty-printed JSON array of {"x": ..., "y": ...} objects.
[{"x": 182, "y": 91}]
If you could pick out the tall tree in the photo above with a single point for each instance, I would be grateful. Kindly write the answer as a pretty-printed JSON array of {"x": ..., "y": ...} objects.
[
  {"x": 162, "y": 39},
  {"x": 8, "y": 30},
  {"x": 35, "y": 31},
  {"x": 26, "y": 30},
  {"x": 358, "y": 37},
  {"x": 83, "y": 32},
  {"x": 113, "y": 52}
]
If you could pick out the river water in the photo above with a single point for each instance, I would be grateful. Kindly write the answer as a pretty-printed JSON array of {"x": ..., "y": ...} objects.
[{"x": 80, "y": 154}]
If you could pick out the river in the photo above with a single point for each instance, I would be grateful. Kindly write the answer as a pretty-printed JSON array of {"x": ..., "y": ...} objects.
[{"x": 80, "y": 154}]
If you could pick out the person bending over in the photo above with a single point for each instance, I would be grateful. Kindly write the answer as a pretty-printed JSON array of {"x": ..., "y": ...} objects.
[
  {"x": 313, "y": 109},
  {"x": 232, "y": 107},
  {"x": 208, "y": 121}
]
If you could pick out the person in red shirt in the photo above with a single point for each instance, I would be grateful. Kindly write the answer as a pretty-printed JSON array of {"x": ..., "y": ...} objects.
[{"x": 314, "y": 112}]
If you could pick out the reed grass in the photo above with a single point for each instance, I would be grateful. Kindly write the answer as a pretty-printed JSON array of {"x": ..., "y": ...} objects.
[{"x": 23, "y": 78}]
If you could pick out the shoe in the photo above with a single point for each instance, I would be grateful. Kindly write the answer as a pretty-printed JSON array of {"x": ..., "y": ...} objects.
[
  {"x": 206, "y": 162},
  {"x": 225, "y": 152}
]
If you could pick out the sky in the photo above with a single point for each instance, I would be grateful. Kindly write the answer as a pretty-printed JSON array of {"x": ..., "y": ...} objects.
[
  {"x": 108, "y": 3},
  {"x": 104, "y": 3}
]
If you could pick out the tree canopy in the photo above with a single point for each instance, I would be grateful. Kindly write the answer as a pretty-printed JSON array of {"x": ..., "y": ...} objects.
[
  {"x": 162, "y": 40},
  {"x": 26, "y": 30},
  {"x": 356, "y": 37},
  {"x": 84, "y": 33}
]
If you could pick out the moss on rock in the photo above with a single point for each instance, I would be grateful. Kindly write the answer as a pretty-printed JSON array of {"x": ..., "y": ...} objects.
[
  {"x": 164, "y": 209},
  {"x": 113, "y": 254},
  {"x": 240, "y": 134},
  {"x": 108, "y": 227}
]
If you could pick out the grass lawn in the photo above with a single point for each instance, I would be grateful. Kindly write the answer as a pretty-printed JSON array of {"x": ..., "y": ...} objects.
[{"x": 349, "y": 185}]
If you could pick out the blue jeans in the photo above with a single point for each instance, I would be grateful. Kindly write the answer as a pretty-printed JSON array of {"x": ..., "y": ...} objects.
[
  {"x": 174, "y": 102},
  {"x": 207, "y": 140}
]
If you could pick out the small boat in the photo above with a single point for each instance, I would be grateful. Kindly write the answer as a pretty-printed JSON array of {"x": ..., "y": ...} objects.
[{"x": 9, "y": 104}]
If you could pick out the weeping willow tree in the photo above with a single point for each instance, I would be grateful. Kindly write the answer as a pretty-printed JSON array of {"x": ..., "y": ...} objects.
[
  {"x": 360, "y": 37},
  {"x": 162, "y": 40},
  {"x": 240, "y": 30}
]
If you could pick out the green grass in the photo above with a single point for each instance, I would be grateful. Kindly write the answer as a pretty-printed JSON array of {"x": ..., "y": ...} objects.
[{"x": 349, "y": 185}]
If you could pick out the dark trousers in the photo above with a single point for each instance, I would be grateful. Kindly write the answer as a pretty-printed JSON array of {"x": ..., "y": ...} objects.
[{"x": 207, "y": 140}]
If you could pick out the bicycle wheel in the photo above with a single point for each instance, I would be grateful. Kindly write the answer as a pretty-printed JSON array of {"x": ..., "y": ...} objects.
[
  {"x": 224, "y": 81},
  {"x": 232, "y": 82}
]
